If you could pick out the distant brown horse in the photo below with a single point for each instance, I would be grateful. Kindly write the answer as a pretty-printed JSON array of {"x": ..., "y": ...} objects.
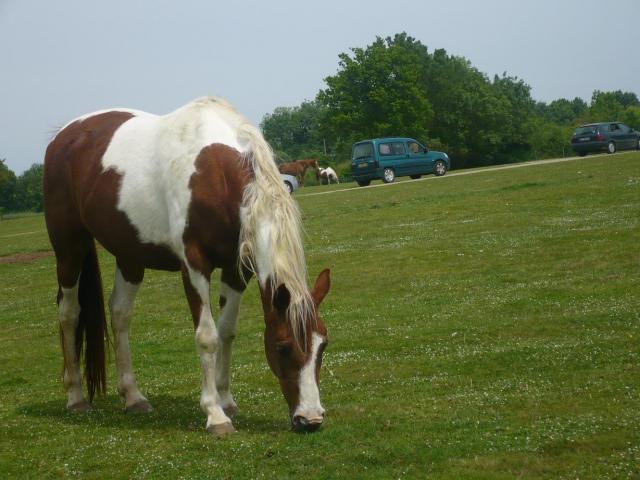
[
  {"x": 299, "y": 168},
  {"x": 189, "y": 191}
]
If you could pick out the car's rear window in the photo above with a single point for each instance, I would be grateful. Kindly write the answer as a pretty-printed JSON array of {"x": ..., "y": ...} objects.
[
  {"x": 362, "y": 150},
  {"x": 586, "y": 130}
]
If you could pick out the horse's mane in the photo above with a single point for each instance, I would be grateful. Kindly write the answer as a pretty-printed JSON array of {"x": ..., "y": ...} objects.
[{"x": 267, "y": 209}]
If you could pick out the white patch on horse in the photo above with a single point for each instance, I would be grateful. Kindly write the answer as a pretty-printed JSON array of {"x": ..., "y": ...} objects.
[
  {"x": 309, "y": 405},
  {"x": 155, "y": 155},
  {"x": 227, "y": 325},
  {"x": 206, "y": 345},
  {"x": 331, "y": 175}
]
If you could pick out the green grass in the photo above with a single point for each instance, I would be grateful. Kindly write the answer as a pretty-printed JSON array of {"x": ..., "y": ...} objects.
[{"x": 482, "y": 326}]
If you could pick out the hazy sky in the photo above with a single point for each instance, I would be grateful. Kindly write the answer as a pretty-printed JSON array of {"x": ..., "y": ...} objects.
[{"x": 60, "y": 59}]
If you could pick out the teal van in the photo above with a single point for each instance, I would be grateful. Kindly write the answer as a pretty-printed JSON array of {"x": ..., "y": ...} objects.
[{"x": 388, "y": 158}]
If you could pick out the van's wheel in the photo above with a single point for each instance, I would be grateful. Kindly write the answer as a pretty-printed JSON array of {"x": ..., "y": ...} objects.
[
  {"x": 415, "y": 177},
  {"x": 388, "y": 176},
  {"x": 638, "y": 145},
  {"x": 611, "y": 148},
  {"x": 364, "y": 183},
  {"x": 439, "y": 168}
]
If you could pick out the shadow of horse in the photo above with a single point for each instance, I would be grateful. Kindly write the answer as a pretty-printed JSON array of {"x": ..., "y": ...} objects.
[{"x": 171, "y": 412}]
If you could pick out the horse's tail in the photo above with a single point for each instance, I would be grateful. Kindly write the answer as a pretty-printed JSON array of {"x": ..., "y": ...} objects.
[{"x": 91, "y": 332}]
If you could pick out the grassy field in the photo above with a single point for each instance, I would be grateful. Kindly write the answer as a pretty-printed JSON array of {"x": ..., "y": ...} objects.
[{"x": 482, "y": 326}]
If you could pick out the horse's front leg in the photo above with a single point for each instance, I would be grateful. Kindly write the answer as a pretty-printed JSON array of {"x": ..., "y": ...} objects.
[
  {"x": 227, "y": 326},
  {"x": 196, "y": 285}
]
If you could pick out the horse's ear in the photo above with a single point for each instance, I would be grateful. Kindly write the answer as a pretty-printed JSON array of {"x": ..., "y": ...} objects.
[
  {"x": 281, "y": 298},
  {"x": 321, "y": 288}
]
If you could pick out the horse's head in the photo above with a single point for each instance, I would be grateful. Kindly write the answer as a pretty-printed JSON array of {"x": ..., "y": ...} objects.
[
  {"x": 296, "y": 358},
  {"x": 314, "y": 164}
]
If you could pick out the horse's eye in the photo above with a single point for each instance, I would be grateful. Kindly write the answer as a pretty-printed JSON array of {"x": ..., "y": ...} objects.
[{"x": 283, "y": 347}]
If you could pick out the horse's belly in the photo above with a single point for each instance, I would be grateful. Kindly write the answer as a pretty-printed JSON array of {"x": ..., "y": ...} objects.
[{"x": 114, "y": 229}]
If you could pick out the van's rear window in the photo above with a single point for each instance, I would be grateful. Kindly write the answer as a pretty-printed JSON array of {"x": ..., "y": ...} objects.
[{"x": 362, "y": 150}]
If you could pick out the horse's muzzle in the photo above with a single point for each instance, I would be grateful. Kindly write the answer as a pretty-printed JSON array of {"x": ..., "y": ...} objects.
[{"x": 306, "y": 425}]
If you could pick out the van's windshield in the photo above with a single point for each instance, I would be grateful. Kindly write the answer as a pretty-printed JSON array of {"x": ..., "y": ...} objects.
[{"x": 362, "y": 150}]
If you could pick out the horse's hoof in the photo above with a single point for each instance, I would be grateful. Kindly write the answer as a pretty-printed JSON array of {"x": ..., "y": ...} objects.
[
  {"x": 80, "y": 407},
  {"x": 221, "y": 429},
  {"x": 141, "y": 406},
  {"x": 231, "y": 410}
]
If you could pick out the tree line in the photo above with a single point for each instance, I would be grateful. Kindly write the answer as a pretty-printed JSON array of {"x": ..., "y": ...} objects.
[
  {"x": 396, "y": 87},
  {"x": 20, "y": 193}
]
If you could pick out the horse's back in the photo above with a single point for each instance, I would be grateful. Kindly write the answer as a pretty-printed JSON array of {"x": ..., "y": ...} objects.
[{"x": 133, "y": 180}]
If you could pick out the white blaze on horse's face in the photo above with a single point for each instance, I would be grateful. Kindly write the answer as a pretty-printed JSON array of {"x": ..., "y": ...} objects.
[{"x": 309, "y": 413}]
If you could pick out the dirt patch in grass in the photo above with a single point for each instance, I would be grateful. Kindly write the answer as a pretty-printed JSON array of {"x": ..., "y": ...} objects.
[{"x": 25, "y": 257}]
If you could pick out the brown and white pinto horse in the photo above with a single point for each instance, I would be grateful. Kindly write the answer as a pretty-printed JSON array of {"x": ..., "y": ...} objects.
[
  {"x": 328, "y": 175},
  {"x": 193, "y": 190},
  {"x": 299, "y": 168}
]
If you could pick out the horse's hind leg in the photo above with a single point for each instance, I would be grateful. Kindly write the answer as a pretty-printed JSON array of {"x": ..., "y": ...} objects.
[
  {"x": 69, "y": 265},
  {"x": 121, "y": 308},
  {"x": 227, "y": 326}
]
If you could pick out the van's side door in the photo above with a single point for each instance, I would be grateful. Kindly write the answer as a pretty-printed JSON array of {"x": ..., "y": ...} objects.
[
  {"x": 393, "y": 154},
  {"x": 419, "y": 162}
]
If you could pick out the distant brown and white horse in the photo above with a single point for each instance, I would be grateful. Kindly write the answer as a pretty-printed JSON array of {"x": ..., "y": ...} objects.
[
  {"x": 299, "y": 168},
  {"x": 190, "y": 191},
  {"x": 328, "y": 175}
]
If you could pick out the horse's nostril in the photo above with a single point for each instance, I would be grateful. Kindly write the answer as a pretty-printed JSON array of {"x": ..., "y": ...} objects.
[{"x": 304, "y": 424}]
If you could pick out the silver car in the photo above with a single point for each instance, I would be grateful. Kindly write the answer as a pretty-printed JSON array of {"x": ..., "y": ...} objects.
[{"x": 290, "y": 182}]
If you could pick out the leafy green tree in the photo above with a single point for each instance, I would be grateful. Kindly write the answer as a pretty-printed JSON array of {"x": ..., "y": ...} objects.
[
  {"x": 466, "y": 109},
  {"x": 631, "y": 117},
  {"x": 579, "y": 106},
  {"x": 626, "y": 99},
  {"x": 395, "y": 87},
  {"x": 477, "y": 121},
  {"x": 548, "y": 139},
  {"x": 563, "y": 111},
  {"x": 294, "y": 132},
  {"x": 29, "y": 189},
  {"x": 7, "y": 187},
  {"x": 378, "y": 91},
  {"x": 605, "y": 107}
]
